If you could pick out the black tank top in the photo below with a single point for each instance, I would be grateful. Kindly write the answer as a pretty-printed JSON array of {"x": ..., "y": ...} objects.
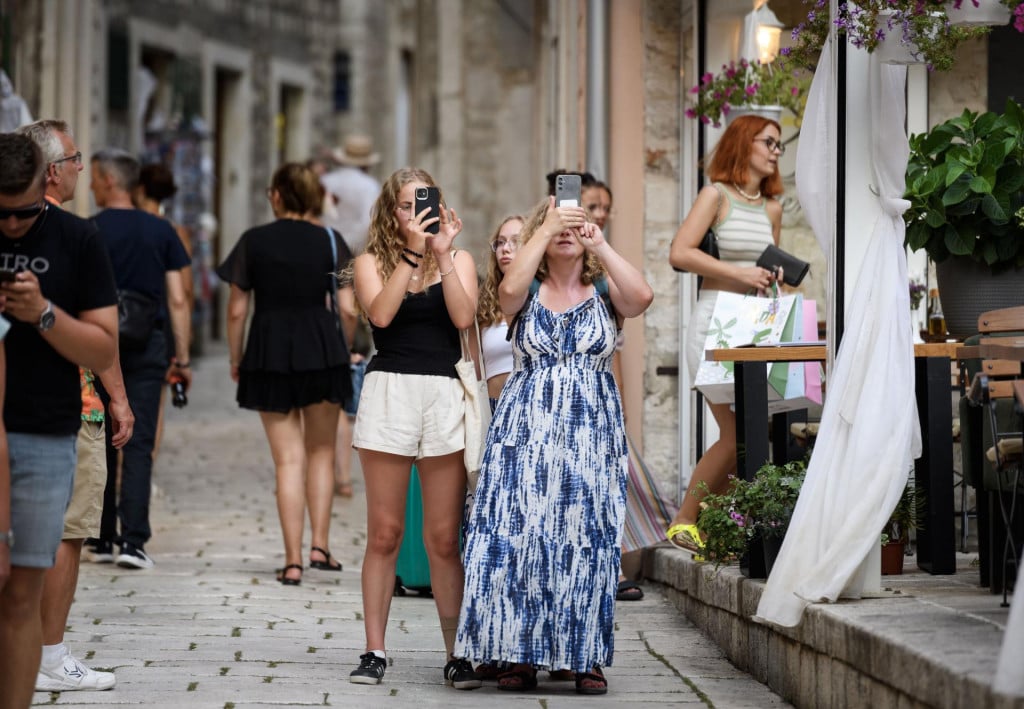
[{"x": 421, "y": 338}]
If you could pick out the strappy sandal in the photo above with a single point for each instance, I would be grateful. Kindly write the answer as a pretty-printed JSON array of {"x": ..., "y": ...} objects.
[
  {"x": 518, "y": 680},
  {"x": 328, "y": 564},
  {"x": 685, "y": 537},
  {"x": 591, "y": 682},
  {"x": 283, "y": 578}
]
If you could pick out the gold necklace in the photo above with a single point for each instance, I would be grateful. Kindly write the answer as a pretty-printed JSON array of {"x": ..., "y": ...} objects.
[{"x": 750, "y": 197}]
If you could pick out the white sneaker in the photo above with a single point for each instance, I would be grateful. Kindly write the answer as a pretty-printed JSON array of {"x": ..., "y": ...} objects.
[
  {"x": 133, "y": 557},
  {"x": 70, "y": 675}
]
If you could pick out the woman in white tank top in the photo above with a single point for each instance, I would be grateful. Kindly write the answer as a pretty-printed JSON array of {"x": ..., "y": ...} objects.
[
  {"x": 497, "y": 351},
  {"x": 741, "y": 205}
]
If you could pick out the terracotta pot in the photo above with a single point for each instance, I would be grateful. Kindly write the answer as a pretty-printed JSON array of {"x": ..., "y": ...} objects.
[
  {"x": 988, "y": 13},
  {"x": 967, "y": 289},
  {"x": 892, "y": 558}
]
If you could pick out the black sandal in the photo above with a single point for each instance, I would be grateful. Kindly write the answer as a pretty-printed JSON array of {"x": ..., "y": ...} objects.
[
  {"x": 518, "y": 680},
  {"x": 283, "y": 578},
  {"x": 629, "y": 591},
  {"x": 329, "y": 563},
  {"x": 591, "y": 682}
]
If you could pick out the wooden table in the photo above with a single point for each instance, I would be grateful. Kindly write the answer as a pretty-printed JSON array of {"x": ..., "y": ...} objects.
[{"x": 933, "y": 471}]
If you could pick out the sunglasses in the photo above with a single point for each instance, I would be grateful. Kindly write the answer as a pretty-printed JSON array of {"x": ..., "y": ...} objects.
[{"x": 23, "y": 213}]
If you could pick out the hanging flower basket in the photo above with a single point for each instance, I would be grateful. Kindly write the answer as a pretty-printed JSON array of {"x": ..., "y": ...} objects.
[
  {"x": 742, "y": 85},
  {"x": 977, "y": 13},
  {"x": 773, "y": 113}
]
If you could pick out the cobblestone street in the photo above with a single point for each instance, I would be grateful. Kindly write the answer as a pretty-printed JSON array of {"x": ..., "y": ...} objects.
[{"x": 210, "y": 627}]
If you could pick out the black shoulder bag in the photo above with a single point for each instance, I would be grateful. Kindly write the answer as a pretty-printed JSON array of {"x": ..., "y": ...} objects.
[{"x": 709, "y": 244}]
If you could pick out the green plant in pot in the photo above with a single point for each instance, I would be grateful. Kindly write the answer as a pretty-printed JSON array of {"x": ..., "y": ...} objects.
[
  {"x": 965, "y": 184},
  {"x": 896, "y": 533},
  {"x": 762, "y": 506}
]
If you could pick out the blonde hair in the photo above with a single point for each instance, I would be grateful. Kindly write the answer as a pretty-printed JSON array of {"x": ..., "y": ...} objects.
[
  {"x": 488, "y": 311},
  {"x": 384, "y": 240},
  {"x": 592, "y": 268}
]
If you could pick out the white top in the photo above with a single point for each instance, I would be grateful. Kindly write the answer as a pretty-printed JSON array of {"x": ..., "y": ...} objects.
[
  {"x": 744, "y": 232},
  {"x": 496, "y": 349},
  {"x": 356, "y": 192}
]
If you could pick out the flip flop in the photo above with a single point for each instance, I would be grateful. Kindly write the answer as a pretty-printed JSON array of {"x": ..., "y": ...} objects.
[
  {"x": 685, "y": 537},
  {"x": 629, "y": 591}
]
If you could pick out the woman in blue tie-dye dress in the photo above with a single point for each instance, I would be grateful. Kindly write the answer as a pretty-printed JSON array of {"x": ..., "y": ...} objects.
[{"x": 542, "y": 555}]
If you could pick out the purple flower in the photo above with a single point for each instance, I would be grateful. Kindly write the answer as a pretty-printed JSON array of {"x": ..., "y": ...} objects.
[
  {"x": 691, "y": 113},
  {"x": 752, "y": 89}
]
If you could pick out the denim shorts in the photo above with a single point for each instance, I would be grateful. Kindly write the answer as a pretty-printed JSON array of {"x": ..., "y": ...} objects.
[
  {"x": 358, "y": 373},
  {"x": 42, "y": 476}
]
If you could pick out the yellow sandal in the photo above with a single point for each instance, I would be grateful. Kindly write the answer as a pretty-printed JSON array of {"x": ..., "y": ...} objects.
[{"x": 686, "y": 537}]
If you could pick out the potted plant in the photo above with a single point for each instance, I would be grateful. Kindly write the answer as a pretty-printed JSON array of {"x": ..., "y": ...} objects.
[
  {"x": 921, "y": 26},
  {"x": 896, "y": 533},
  {"x": 965, "y": 184},
  {"x": 746, "y": 84},
  {"x": 756, "y": 509}
]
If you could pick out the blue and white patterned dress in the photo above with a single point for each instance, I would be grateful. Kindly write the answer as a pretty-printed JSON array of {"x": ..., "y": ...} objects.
[{"x": 542, "y": 556}]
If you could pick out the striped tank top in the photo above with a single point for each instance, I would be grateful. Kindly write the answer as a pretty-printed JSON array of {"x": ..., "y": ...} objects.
[{"x": 744, "y": 231}]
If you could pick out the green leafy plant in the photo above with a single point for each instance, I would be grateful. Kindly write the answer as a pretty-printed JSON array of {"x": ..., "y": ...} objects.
[
  {"x": 965, "y": 184},
  {"x": 922, "y": 25},
  {"x": 748, "y": 83},
  {"x": 763, "y": 506},
  {"x": 904, "y": 519}
]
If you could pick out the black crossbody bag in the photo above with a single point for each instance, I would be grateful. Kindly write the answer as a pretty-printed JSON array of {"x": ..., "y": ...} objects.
[{"x": 709, "y": 244}]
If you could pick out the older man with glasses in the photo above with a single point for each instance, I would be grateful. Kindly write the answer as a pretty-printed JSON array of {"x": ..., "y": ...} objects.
[
  {"x": 59, "y": 669},
  {"x": 62, "y": 304}
]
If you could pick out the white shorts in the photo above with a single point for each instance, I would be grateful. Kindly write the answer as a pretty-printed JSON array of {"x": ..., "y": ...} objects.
[{"x": 412, "y": 415}]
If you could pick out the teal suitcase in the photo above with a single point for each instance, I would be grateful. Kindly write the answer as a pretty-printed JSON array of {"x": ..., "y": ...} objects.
[{"x": 412, "y": 569}]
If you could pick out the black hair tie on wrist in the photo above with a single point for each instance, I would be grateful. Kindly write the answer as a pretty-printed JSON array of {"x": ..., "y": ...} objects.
[
  {"x": 409, "y": 251},
  {"x": 410, "y": 261}
]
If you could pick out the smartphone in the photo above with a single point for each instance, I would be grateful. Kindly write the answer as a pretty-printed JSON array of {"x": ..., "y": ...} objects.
[
  {"x": 429, "y": 197},
  {"x": 567, "y": 191},
  {"x": 7, "y": 275}
]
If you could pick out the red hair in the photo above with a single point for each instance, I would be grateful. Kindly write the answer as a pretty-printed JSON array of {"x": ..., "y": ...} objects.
[{"x": 730, "y": 159}]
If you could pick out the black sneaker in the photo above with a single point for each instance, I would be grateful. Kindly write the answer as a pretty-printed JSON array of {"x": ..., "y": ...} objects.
[
  {"x": 370, "y": 671},
  {"x": 460, "y": 674},
  {"x": 99, "y": 551},
  {"x": 133, "y": 557}
]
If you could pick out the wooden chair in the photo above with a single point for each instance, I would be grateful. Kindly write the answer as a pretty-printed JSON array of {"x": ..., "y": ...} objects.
[{"x": 997, "y": 387}]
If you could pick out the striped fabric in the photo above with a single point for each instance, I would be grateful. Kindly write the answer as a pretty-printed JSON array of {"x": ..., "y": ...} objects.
[
  {"x": 648, "y": 512},
  {"x": 542, "y": 554},
  {"x": 744, "y": 232}
]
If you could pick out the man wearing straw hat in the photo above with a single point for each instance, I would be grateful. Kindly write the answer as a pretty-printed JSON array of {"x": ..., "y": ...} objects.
[{"x": 353, "y": 189}]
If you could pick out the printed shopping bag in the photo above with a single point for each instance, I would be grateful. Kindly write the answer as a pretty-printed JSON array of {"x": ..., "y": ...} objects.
[{"x": 739, "y": 320}]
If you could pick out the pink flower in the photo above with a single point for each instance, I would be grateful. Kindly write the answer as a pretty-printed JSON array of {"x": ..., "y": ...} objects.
[
  {"x": 752, "y": 89},
  {"x": 707, "y": 78},
  {"x": 691, "y": 113}
]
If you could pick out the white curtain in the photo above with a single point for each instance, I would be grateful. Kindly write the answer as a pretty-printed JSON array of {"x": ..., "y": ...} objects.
[
  {"x": 1009, "y": 672},
  {"x": 869, "y": 433}
]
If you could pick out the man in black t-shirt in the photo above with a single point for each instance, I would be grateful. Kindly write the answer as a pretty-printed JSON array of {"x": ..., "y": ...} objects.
[
  {"x": 147, "y": 258},
  {"x": 62, "y": 304}
]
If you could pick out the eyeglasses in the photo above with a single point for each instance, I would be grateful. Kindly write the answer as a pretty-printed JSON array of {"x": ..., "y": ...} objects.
[
  {"x": 23, "y": 213},
  {"x": 76, "y": 158},
  {"x": 772, "y": 145},
  {"x": 498, "y": 244}
]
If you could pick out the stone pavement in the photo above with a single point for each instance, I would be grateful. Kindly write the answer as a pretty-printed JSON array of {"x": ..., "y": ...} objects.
[{"x": 209, "y": 627}]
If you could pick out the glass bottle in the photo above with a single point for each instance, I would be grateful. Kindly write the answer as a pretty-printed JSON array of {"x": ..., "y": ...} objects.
[{"x": 936, "y": 320}]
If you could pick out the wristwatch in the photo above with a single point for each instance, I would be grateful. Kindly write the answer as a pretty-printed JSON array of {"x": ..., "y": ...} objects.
[
  {"x": 7, "y": 538},
  {"x": 47, "y": 319}
]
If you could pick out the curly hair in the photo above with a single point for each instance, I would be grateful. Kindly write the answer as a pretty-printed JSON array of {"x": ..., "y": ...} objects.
[
  {"x": 488, "y": 310},
  {"x": 730, "y": 159},
  {"x": 384, "y": 240},
  {"x": 592, "y": 267}
]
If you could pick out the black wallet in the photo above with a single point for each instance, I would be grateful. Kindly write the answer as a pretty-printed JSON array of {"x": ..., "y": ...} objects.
[{"x": 793, "y": 269}]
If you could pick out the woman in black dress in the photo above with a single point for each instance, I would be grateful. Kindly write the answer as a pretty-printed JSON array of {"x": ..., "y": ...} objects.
[{"x": 295, "y": 367}]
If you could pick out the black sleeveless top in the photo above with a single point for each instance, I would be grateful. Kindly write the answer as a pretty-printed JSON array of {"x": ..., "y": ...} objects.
[{"x": 421, "y": 338}]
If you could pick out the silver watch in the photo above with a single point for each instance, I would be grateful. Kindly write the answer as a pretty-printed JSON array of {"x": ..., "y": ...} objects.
[
  {"x": 47, "y": 318},
  {"x": 7, "y": 538}
]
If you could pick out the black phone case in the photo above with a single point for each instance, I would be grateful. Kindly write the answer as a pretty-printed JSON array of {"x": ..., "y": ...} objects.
[
  {"x": 793, "y": 269},
  {"x": 432, "y": 199}
]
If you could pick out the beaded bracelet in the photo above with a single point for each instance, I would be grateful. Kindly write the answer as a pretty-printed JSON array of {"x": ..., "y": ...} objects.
[
  {"x": 410, "y": 261},
  {"x": 409, "y": 251}
]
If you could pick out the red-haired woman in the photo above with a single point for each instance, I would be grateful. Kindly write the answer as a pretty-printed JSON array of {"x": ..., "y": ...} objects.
[{"x": 740, "y": 204}]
